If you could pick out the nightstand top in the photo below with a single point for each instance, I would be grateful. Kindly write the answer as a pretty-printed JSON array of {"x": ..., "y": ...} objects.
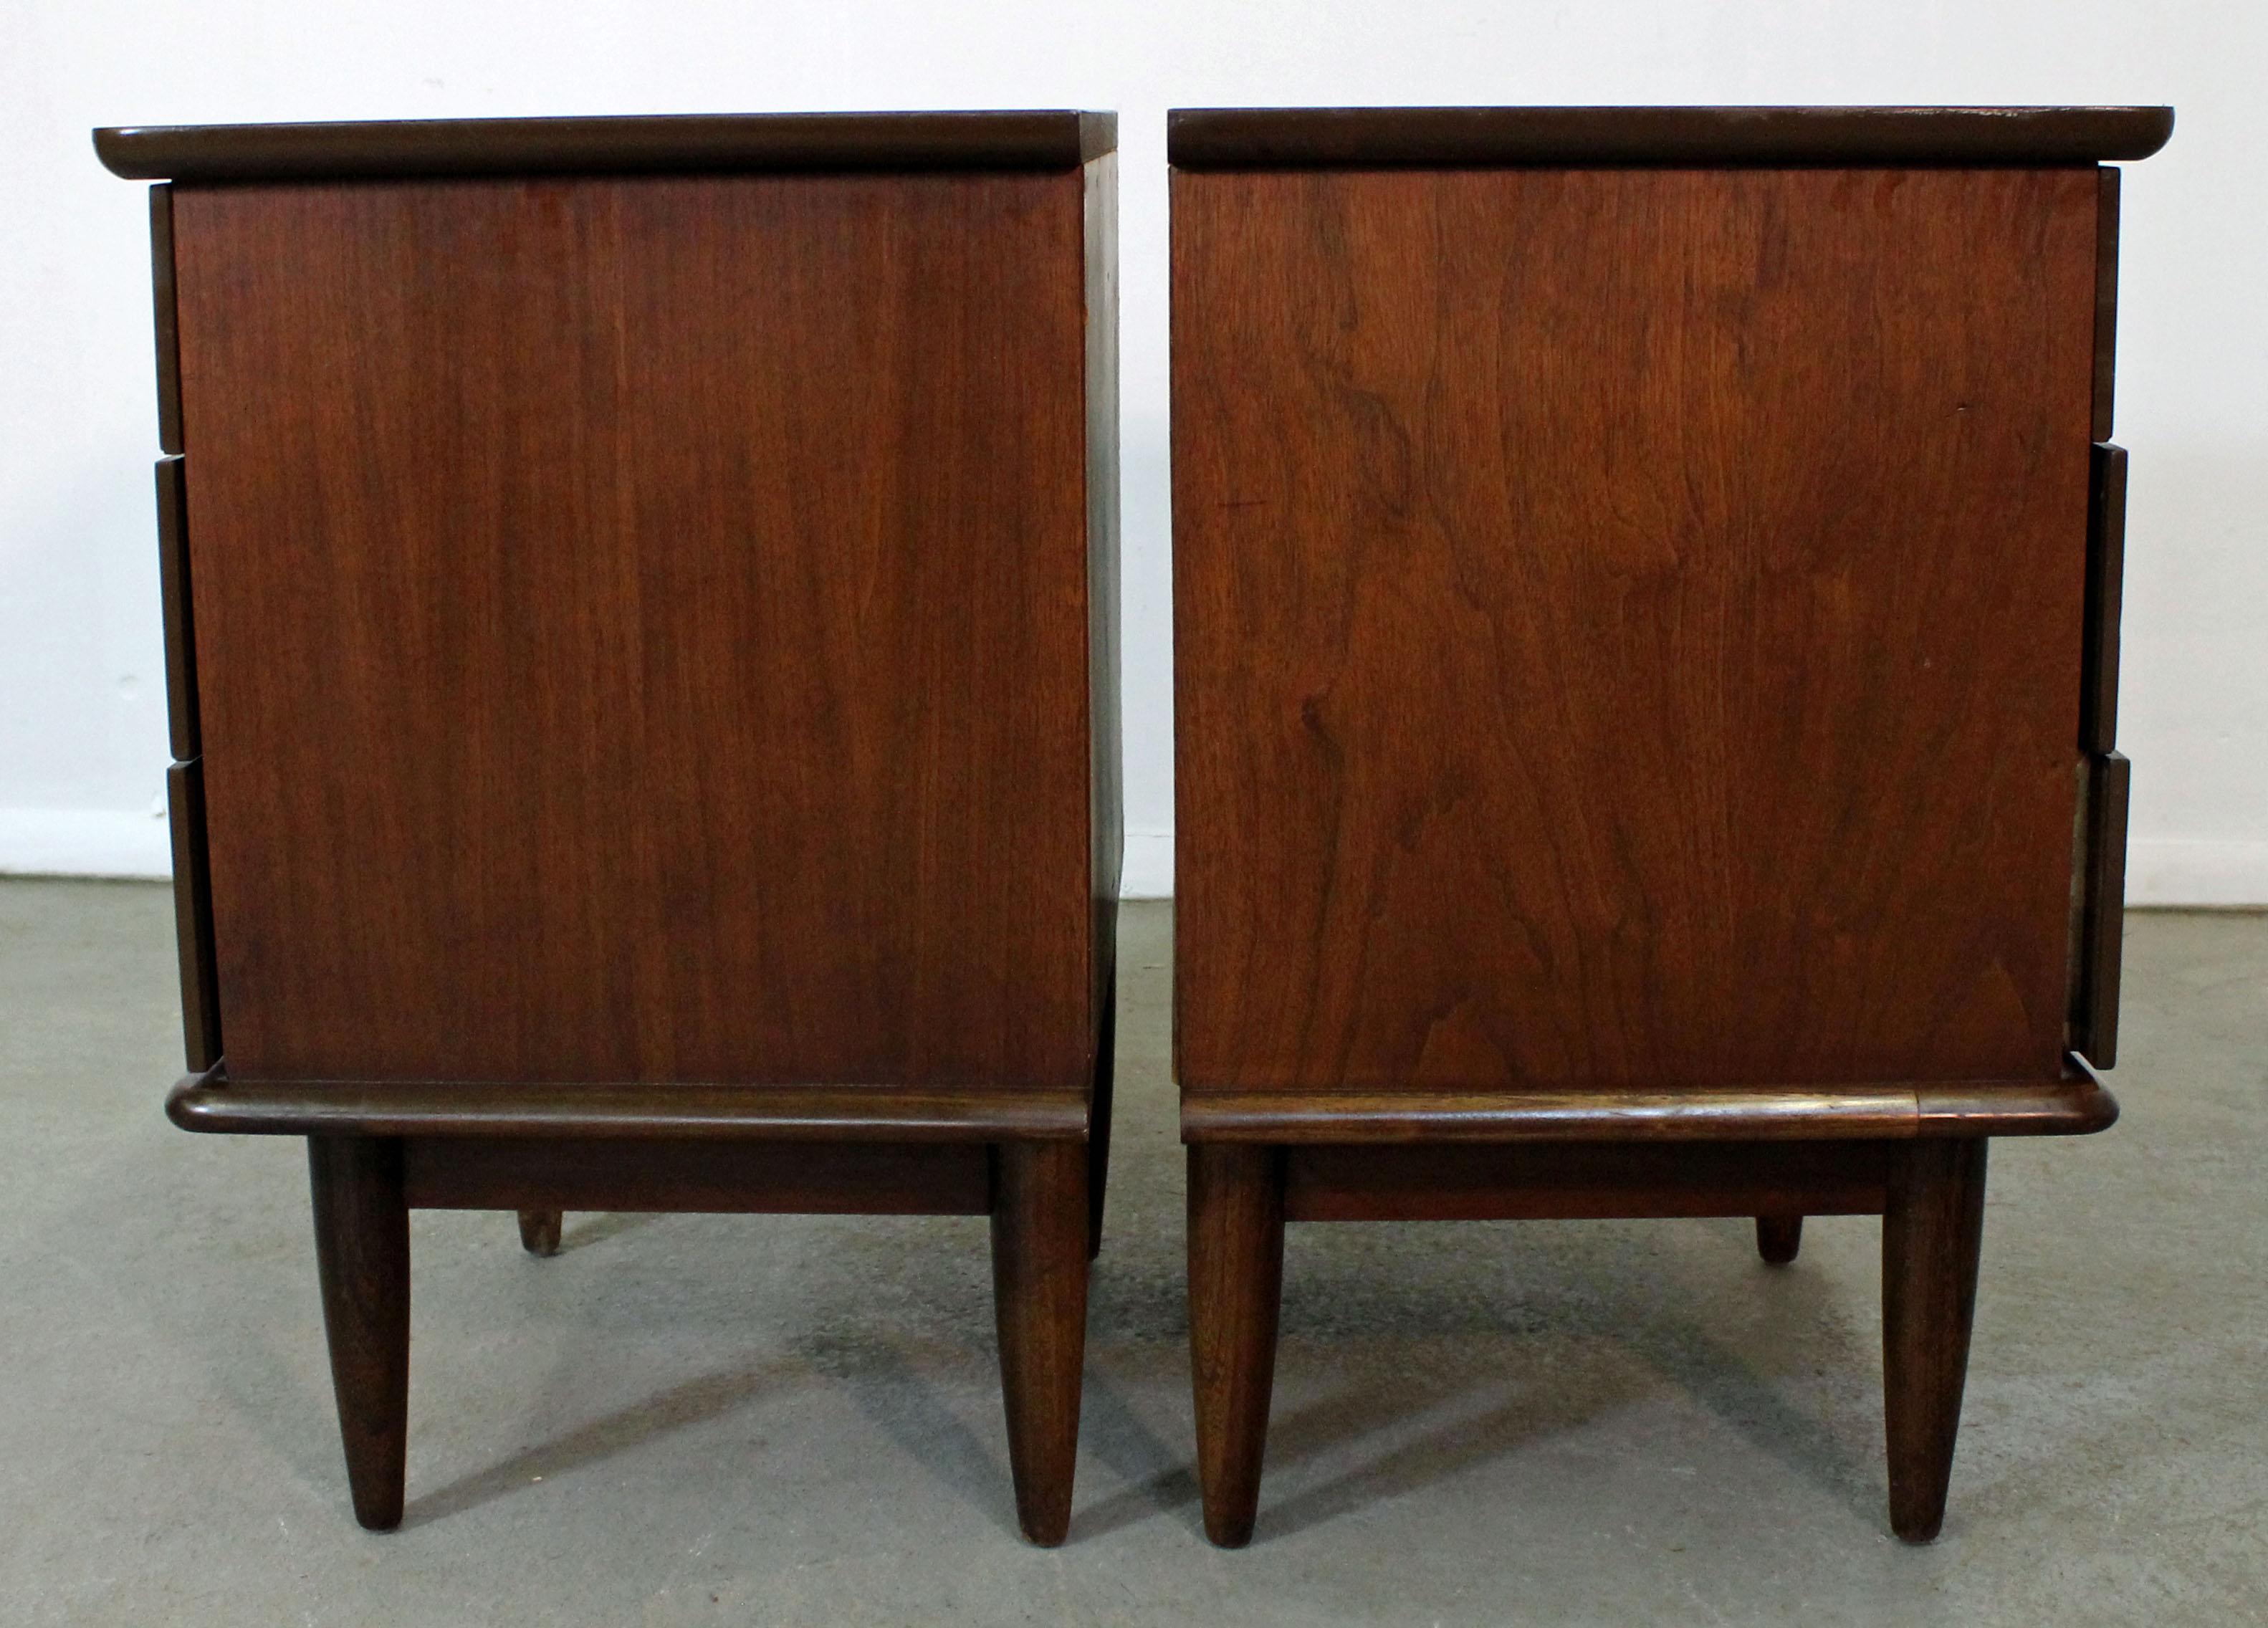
[
  {"x": 1231, "y": 138},
  {"x": 676, "y": 143}
]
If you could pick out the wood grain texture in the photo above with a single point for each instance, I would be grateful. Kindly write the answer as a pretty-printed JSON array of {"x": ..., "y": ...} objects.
[
  {"x": 1582, "y": 1180},
  {"x": 2076, "y": 1105},
  {"x": 173, "y": 591},
  {"x": 192, "y": 923},
  {"x": 1039, "y": 1291},
  {"x": 1710, "y": 137},
  {"x": 1932, "y": 1230},
  {"x": 2094, "y": 1023},
  {"x": 648, "y": 1175},
  {"x": 642, "y": 627},
  {"x": 2073, "y": 1105},
  {"x": 1236, "y": 1202},
  {"x": 163, "y": 322},
  {"x": 688, "y": 1110},
  {"x": 1627, "y": 625},
  {"x": 1572, "y": 1115},
  {"x": 362, "y": 1256},
  {"x": 822, "y": 143},
  {"x": 2106, "y": 301},
  {"x": 2106, "y": 570}
]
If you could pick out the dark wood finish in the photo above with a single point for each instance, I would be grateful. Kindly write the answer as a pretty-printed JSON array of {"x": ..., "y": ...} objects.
[
  {"x": 758, "y": 1178},
  {"x": 1284, "y": 1117},
  {"x": 1778, "y": 1238},
  {"x": 2106, "y": 569},
  {"x": 192, "y": 924},
  {"x": 1932, "y": 1233},
  {"x": 2077, "y": 1105},
  {"x": 1634, "y": 609},
  {"x": 174, "y": 590},
  {"x": 2106, "y": 299},
  {"x": 169, "y": 351},
  {"x": 1105, "y": 822},
  {"x": 216, "y": 1101},
  {"x": 824, "y": 142},
  {"x": 539, "y": 1231},
  {"x": 1343, "y": 138},
  {"x": 1039, "y": 1291},
  {"x": 643, "y": 645},
  {"x": 2094, "y": 1025},
  {"x": 1574, "y": 571},
  {"x": 1477, "y": 1182},
  {"x": 706, "y": 700},
  {"x": 362, "y": 1255},
  {"x": 1236, "y": 1280},
  {"x": 1098, "y": 1128},
  {"x": 2073, "y": 1104}
]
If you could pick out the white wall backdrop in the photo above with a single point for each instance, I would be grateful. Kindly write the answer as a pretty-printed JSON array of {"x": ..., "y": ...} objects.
[{"x": 82, "y": 710}]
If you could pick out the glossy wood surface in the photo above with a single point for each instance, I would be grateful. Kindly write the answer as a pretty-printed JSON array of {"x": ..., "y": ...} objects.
[
  {"x": 648, "y": 1175},
  {"x": 824, "y": 143},
  {"x": 1236, "y": 1283},
  {"x": 1582, "y": 1180},
  {"x": 658, "y": 649},
  {"x": 2076, "y": 1105},
  {"x": 1710, "y": 137},
  {"x": 1931, "y": 1232},
  {"x": 362, "y": 1258},
  {"x": 1627, "y": 625},
  {"x": 214, "y": 1102},
  {"x": 1039, "y": 1290},
  {"x": 1573, "y": 1114}
]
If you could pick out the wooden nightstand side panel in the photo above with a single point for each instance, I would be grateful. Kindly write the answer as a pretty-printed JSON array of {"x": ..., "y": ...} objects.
[
  {"x": 643, "y": 626},
  {"x": 1628, "y": 624}
]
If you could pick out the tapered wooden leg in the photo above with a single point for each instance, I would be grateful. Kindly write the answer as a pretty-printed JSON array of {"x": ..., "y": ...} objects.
[
  {"x": 1779, "y": 1237},
  {"x": 361, "y": 1254},
  {"x": 1236, "y": 1283},
  {"x": 1039, "y": 1222},
  {"x": 539, "y": 1231},
  {"x": 1098, "y": 1121},
  {"x": 1932, "y": 1230}
]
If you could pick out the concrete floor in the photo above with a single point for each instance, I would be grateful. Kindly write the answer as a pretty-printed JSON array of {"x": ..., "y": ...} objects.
[{"x": 743, "y": 1420}]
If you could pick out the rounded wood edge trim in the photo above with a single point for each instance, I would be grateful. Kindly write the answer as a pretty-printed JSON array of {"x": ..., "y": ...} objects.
[
  {"x": 212, "y": 1102},
  {"x": 784, "y": 142},
  {"x": 1841, "y": 1113},
  {"x": 2079, "y": 1104},
  {"x": 1358, "y": 138}
]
